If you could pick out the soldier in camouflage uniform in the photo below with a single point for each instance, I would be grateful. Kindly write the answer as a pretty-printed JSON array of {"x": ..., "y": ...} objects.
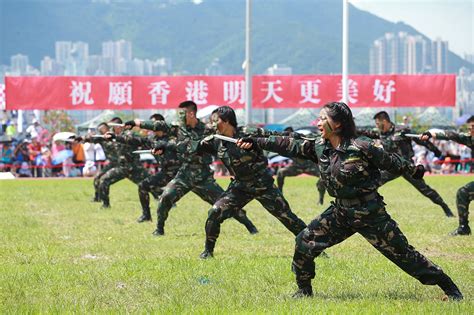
[
  {"x": 466, "y": 193},
  {"x": 298, "y": 167},
  {"x": 349, "y": 167},
  {"x": 111, "y": 155},
  {"x": 195, "y": 173},
  {"x": 168, "y": 161},
  {"x": 129, "y": 165},
  {"x": 251, "y": 179},
  {"x": 393, "y": 141}
]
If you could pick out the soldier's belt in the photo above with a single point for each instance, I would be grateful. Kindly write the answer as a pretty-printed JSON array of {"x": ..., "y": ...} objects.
[{"x": 356, "y": 201}]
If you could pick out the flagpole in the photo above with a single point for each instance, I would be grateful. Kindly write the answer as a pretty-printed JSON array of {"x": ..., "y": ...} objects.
[
  {"x": 247, "y": 64},
  {"x": 345, "y": 50}
]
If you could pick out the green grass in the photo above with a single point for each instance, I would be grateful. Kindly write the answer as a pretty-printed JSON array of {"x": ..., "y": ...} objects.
[{"x": 60, "y": 253}]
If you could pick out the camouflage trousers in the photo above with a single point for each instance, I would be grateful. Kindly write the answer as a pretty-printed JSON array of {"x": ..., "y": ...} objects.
[
  {"x": 419, "y": 184},
  {"x": 97, "y": 178},
  {"x": 463, "y": 197},
  {"x": 153, "y": 184},
  {"x": 235, "y": 198},
  {"x": 205, "y": 187},
  {"x": 370, "y": 220},
  {"x": 293, "y": 170},
  {"x": 134, "y": 173}
]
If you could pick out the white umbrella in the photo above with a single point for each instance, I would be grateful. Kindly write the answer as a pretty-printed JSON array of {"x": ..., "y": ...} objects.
[
  {"x": 64, "y": 136},
  {"x": 206, "y": 111}
]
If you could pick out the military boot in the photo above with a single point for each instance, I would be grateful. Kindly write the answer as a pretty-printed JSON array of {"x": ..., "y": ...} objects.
[
  {"x": 462, "y": 229},
  {"x": 447, "y": 211},
  {"x": 208, "y": 250},
  {"x": 251, "y": 228},
  {"x": 304, "y": 290},
  {"x": 105, "y": 205},
  {"x": 146, "y": 216},
  {"x": 160, "y": 230},
  {"x": 450, "y": 288},
  {"x": 95, "y": 198}
]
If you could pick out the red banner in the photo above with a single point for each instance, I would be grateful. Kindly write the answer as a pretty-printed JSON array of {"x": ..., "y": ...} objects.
[{"x": 83, "y": 93}]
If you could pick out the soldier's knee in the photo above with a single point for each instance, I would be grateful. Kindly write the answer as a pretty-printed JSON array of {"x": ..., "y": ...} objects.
[
  {"x": 304, "y": 245},
  {"x": 461, "y": 193},
  {"x": 215, "y": 214}
]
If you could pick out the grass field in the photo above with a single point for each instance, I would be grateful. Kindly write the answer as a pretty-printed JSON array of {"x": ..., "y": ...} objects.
[{"x": 61, "y": 253}]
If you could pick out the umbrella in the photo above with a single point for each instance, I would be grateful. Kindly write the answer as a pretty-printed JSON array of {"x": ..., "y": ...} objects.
[
  {"x": 61, "y": 157},
  {"x": 64, "y": 136},
  {"x": 463, "y": 119},
  {"x": 206, "y": 111}
]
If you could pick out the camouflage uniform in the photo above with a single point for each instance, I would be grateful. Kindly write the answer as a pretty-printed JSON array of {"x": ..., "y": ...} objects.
[
  {"x": 129, "y": 166},
  {"x": 194, "y": 174},
  {"x": 112, "y": 159},
  {"x": 297, "y": 167},
  {"x": 466, "y": 193},
  {"x": 393, "y": 141},
  {"x": 351, "y": 175},
  {"x": 169, "y": 165},
  {"x": 251, "y": 179}
]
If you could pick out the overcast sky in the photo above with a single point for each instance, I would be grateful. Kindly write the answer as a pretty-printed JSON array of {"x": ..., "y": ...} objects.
[{"x": 451, "y": 20}]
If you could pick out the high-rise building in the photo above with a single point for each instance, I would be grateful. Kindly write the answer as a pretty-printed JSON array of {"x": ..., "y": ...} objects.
[
  {"x": 19, "y": 64},
  {"x": 63, "y": 51},
  {"x": 407, "y": 54}
]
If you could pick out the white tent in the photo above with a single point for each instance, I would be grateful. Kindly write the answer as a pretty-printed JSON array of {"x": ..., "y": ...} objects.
[
  {"x": 104, "y": 116},
  {"x": 302, "y": 117}
]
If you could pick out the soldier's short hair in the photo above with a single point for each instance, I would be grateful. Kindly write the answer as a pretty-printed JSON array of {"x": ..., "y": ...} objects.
[
  {"x": 470, "y": 119},
  {"x": 382, "y": 115},
  {"x": 341, "y": 113},
  {"x": 227, "y": 114},
  {"x": 117, "y": 120},
  {"x": 189, "y": 105},
  {"x": 157, "y": 117},
  {"x": 288, "y": 129},
  {"x": 103, "y": 124}
]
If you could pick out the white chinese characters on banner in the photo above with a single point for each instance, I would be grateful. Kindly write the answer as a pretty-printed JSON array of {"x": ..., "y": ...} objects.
[
  {"x": 352, "y": 91},
  {"x": 383, "y": 91},
  {"x": 120, "y": 93},
  {"x": 271, "y": 89},
  {"x": 309, "y": 91},
  {"x": 2, "y": 96},
  {"x": 234, "y": 92},
  {"x": 159, "y": 92},
  {"x": 197, "y": 91},
  {"x": 81, "y": 93}
]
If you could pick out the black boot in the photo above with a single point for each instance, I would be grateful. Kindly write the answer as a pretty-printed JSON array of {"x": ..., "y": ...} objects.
[
  {"x": 304, "y": 290},
  {"x": 447, "y": 211},
  {"x": 160, "y": 231},
  {"x": 462, "y": 229},
  {"x": 95, "y": 198},
  {"x": 144, "y": 218},
  {"x": 251, "y": 228},
  {"x": 208, "y": 250},
  {"x": 105, "y": 205},
  {"x": 450, "y": 288}
]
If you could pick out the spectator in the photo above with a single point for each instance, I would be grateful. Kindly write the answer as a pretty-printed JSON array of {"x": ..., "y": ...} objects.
[
  {"x": 447, "y": 167},
  {"x": 6, "y": 157},
  {"x": 78, "y": 155},
  {"x": 35, "y": 129},
  {"x": 34, "y": 149},
  {"x": 21, "y": 154},
  {"x": 11, "y": 129}
]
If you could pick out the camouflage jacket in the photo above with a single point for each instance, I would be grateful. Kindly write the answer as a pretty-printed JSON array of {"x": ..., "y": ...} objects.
[
  {"x": 124, "y": 151},
  {"x": 109, "y": 150},
  {"x": 249, "y": 168},
  {"x": 193, "y": 165},
  {"x": 349, "y": 171},
  {"x": 394, "y": 141},
  {"x": 168, "y": 161}
]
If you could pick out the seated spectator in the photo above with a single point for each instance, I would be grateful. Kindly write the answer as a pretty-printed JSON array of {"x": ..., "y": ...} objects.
[
  {"x": 21, "y": 154},
  {"x": 25, "y": 170},
  {"x": 447, "y": 167}
]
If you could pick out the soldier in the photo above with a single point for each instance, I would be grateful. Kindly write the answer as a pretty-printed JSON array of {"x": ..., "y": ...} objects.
[
  {"x": 195, "y": 173},
  {"x": 251, "y": 179},
  {"x": 297, "y": 167},
  {"x": 466, "y": 193},
  {"x": 349, "y": 167},
  {"x": 169, "y": 165},
  {"x": 393, "y": 141},
  {"x": 110, "y": 153},
  {"x": 128, "y": 165}
]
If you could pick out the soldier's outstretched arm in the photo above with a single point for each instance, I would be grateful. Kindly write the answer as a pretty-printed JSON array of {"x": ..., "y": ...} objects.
[
  {"x": 158, "y": 125},
  {"x": 371, "y": 133},
  {"x": 390, "y": 162},
  {"x": 288, "y": 146},
  {"x": 429, "y": 145}
]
